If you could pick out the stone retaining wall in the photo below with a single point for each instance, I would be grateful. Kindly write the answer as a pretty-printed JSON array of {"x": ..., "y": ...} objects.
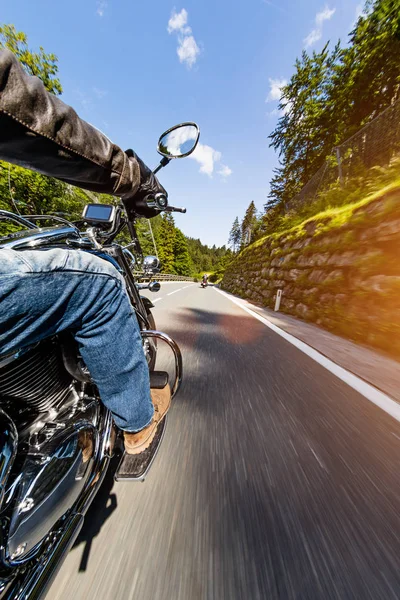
[{"x": 345, "y": 278}]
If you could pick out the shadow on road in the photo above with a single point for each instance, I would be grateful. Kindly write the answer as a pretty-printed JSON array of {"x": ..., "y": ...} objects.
[
  {"x": 100, "y": 510},
  {"x": 290, "y": 477}
]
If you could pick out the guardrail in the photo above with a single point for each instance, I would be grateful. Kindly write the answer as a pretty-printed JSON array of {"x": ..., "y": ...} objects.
[{"x": 163, "y": 277}]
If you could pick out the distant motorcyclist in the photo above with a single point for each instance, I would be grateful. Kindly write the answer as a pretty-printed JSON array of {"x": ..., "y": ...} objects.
[
  {"x": 204, "y": 281},
  {"x": 44, "y": 292}
]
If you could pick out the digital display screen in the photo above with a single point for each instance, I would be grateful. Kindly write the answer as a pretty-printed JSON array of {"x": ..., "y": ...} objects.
[{"x": 98, "y": 212}]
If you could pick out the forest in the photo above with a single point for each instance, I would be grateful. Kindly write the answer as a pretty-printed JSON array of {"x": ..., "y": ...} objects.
[{"x": 330, "y": 96}]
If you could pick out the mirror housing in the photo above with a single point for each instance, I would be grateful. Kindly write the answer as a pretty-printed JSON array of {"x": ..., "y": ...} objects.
[
  {"x": 151, "y": 264},
  {"x": 154, "y": 286},
  {"x": 179, "y": 141}
]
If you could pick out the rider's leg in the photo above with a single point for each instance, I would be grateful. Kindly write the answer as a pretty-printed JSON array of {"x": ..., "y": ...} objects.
[{"x": 43, "y": 292}]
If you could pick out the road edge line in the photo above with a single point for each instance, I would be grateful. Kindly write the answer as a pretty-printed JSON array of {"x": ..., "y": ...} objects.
[{"x": 367, "y": 390}]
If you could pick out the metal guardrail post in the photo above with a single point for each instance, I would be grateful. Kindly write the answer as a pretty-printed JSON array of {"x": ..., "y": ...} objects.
[{"x": 339, "y": 162}]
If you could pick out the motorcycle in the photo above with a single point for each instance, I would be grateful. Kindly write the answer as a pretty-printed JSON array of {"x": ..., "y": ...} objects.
[
  {"x": 50, "y": 407},
  {"x": 204, "y": 283}
]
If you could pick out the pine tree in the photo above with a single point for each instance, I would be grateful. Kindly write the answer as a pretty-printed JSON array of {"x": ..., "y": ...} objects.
[
  {"x": 249, "y": 225},
  {"x": 182, "y": 263},
  {"x": 303, "y": 136},
  {"x": 235, "y": 235}
]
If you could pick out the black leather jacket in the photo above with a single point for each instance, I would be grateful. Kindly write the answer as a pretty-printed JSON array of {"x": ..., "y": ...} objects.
[{"x": 40, "y": 132}]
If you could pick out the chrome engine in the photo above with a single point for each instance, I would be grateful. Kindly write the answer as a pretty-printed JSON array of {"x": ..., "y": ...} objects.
[
  {"x": 34, "y": 381},
  {"x": 48, "y": 440}
]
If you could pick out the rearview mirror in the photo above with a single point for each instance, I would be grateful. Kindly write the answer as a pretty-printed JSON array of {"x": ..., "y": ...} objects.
[
  {"x": 179, "y": 141},
  {"x": 151, "y": 264}
]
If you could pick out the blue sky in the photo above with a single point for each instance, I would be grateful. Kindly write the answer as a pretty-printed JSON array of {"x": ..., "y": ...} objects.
[{"x": 133, "y": 68}]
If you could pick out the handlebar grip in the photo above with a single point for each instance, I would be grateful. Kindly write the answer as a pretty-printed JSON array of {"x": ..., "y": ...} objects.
[{"x": 175, "y": 209}]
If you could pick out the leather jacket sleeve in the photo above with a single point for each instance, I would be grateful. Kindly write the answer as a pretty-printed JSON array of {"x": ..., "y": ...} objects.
[{"x": 38, "y": 131}]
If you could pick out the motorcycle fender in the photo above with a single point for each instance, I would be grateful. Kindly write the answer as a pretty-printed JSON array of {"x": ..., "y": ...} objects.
[{"x": 147, "y": 303}]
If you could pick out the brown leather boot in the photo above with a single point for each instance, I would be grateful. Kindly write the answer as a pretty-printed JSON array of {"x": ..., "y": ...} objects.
[{"x": 135, "y": 443}]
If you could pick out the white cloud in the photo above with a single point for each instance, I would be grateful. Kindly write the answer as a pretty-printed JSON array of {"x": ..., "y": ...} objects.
[
  {"x": 178, "y": 22},
  {"x": 101, "y": 7},
  {"x": 275, "y": 89},
  {"x": 188, "y": 49},
  {"x": 225, "y": 171},
  {"x": 207, "y": 158},
  {"x": 313, "y": 37},
  {"x": 324, "y": 15},
  {"x": 275, "y": 95},
  {"x": 316, "y": 34}
]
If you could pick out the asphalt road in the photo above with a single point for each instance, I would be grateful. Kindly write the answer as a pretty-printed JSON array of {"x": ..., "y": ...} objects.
[{"x": 275, "y": 480}]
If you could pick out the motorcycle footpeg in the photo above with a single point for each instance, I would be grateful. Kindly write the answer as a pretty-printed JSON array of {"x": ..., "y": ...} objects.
[
  {"x": 134, "y": 467},
  {"x": 158, "y": 379}
]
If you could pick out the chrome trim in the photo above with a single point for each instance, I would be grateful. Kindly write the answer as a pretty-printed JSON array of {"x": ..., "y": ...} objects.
[
  {"x": 8, "y": 450},
  {"x": 21, "y": 220},
  {"x": 27, "y": 497},
  {"x": 43, "y": 237},
  {"x": 49, "y": 564},
  {"x": 177, "y": 355},
  {"x": 102, "y": 459}
]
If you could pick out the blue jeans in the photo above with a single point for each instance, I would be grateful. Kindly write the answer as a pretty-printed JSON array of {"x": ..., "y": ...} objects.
[{"x": 44, "y": 292}]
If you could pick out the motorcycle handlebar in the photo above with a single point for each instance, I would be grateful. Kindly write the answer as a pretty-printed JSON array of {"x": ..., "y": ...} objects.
[
  {"x": 159, "y": 202},
  {"x": 175, "y": 209}
]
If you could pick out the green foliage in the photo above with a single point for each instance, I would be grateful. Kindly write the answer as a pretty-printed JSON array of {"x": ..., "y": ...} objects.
[
  {"x": 24, "y": 190},
  {"x": 205, "y": 259},
  {"x": 39, "y": 63},
  {"x": 182, "y": 262},
  {"x": 301, "y": 136},
  {"x": 143, "y": 230},
  {"x": 166, "y": 242},
  {"x": 372, "y": 181},
  {"x": 31, "y": 193},
  {"x": 330, "y": 96}
]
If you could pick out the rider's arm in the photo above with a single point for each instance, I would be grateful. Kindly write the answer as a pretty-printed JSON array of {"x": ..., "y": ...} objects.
[{"x": 40, "y": 132}]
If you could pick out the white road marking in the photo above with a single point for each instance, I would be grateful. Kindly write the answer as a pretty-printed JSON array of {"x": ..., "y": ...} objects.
[
  {"x": 321, "y": 464},
  {"x": 174, "y": 292},
  {"x": 157, "y": 300},
  {"x": 368, "y": 391}
]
